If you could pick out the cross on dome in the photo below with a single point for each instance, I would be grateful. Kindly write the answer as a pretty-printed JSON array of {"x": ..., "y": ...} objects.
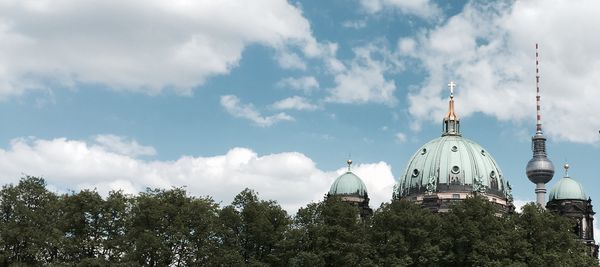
[{"x": 451, "y": 85}]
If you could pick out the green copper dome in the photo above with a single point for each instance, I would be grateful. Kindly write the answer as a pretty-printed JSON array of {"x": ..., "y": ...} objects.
[
  {"x": 348, "y": 184},
  {"x": 567, "y": 188},
  {"x": 452, "y": 163},
  {"x": 451, "y": 168}
]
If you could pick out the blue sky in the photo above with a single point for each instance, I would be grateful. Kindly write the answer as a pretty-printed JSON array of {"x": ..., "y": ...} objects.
[{"x": 274, "y": 95}]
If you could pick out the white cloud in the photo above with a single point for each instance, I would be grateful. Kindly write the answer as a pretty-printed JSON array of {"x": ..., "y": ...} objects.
[
  {"x": 141, "y": 45},
  {"x": 233, "y": 106},
  {"x": 294, "y": 102},
  {"x": 421, "y": 8},
  {"x": 289, "y": 60},
  {"x": 364, "y": 81},
  {"x": 123, "y": 145},
  {"x": 488, "y": 49},
  {"x": 407, "y": 46},
  {"x": 354, "y": 24},
  {"x": 291, "y": 178},
  {"x": 307, "y": 84},
  {"x": 400, "y": 137}
]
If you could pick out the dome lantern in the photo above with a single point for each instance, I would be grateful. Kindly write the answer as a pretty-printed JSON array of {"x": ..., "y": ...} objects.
[{"x": 451, "y": 121}]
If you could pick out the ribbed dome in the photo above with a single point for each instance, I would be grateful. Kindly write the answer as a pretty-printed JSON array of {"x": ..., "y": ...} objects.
[
  {"x": 348, "y": 184},
  {"x": 451, "y": 168},
  {"x": 567, "y": 188},
  {"x": 452, "y": 163}
]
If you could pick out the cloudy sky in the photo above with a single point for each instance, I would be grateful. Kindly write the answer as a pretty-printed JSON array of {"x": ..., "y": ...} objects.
[{"x": 275, "y": 96}]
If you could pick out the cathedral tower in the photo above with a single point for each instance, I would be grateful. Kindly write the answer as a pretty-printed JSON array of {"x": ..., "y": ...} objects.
[
  {"x": 568, "y": 199},
  {"x": 348, "y": 187}
]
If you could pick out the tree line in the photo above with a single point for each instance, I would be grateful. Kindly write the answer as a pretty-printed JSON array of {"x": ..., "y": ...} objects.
[{"x": 171, "y": 228}]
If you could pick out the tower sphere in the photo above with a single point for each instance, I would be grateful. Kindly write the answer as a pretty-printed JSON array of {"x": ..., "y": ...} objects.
[{"x": 539, "y": 168}]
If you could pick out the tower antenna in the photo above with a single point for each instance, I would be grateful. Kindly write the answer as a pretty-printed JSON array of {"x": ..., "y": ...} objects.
[{"x": 537, "y": 85}]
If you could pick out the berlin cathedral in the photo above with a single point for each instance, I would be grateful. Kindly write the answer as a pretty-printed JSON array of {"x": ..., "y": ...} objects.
[{"x": 451, "y": 168}]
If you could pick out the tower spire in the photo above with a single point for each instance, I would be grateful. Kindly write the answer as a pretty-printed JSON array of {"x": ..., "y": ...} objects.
[{"x": 539, "y": 169}]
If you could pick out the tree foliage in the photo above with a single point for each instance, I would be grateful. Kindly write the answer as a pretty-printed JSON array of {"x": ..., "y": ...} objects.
[
  {"x": 404, "y": 234},
  {"x": 29, "y": 231},
  {"x": 171, "y": 228},
  {"x": 329, "y": 233}
]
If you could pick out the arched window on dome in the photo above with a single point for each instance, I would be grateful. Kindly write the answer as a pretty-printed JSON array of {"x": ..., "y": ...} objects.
[
  {"x": 493, "y": 180},
  {"x": 454, "y": 177}
]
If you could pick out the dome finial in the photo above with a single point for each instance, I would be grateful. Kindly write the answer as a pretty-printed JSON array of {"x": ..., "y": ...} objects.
[
  {"x": 349, "y": 162},
  {"x": 566, "y": 166}
]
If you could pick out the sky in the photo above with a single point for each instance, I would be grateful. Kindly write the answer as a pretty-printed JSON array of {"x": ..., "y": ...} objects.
[{"x": 275, "y": 95}]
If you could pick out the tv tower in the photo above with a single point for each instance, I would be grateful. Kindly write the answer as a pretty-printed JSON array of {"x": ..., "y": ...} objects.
[{"x": 539, "y": 169}]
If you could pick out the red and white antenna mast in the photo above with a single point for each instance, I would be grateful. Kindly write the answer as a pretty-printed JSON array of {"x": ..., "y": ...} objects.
[{"x": 537, "y": 84}]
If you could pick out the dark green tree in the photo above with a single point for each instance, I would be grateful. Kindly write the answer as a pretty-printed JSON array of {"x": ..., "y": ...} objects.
[
  {"x": 157, "y": 228},
  {"x": 201, "y": 216},
  {"x": 81, "y": 224},
  {"x": 229, "y": 238},
  {"x": 170, "y": 228},
  {"x": 256, "y": 227},
  {"x": 475, "y": 233},
  {"x": 28, "y": 223},
  {"x": 116, "y": 221},
  {"x": 404, "y": 234},
  {"x": 330, "y": 233},
  {"x": 549, "y": 239}
]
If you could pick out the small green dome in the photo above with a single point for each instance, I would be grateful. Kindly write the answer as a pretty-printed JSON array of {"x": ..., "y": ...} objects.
[
  {"x": 567, "y": 188},
  {"x": 348, "y": 184}
]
